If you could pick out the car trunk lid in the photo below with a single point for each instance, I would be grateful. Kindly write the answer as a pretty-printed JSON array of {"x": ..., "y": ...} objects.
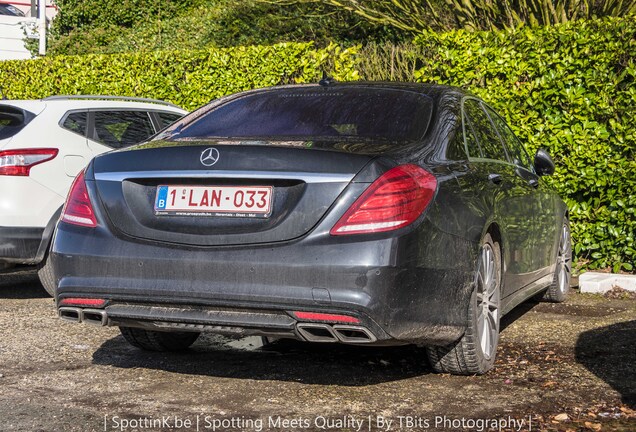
[{"x": 305, "y": 179}]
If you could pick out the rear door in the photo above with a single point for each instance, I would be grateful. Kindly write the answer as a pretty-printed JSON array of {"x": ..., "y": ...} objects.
[
  {"x": 513, "y": 199},
  {"x": 545, "y": 218}
]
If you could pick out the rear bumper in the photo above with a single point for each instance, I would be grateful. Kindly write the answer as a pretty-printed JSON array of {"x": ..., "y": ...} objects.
[
  {"x": 398, "y": 288},
  {"x": 26, "y": 245},
  {"x": 20, "y": 245}
]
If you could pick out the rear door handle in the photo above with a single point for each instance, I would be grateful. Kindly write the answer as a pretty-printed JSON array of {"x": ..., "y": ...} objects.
[
  {"x": 495, "y": 178},
  {"x": 534, "y": 183}
]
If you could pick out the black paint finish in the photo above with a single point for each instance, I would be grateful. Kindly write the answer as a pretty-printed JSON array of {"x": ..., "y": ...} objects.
[{"x": 408, "y": 285}]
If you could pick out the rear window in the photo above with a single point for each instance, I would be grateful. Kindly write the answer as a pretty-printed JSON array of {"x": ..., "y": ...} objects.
[
  {"x": 386, "y": 114},
  {"x": 13, "y": 120}
]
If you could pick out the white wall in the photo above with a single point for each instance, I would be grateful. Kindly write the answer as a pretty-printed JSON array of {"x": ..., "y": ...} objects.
[
  {"x": 12, "y": 38},
  {"x": 12, "y": 34}
]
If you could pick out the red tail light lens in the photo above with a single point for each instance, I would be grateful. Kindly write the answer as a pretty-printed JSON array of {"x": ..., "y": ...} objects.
[
  {"x": 316, "y": 316},
  {"x": 20, "y": 161},
  {"x": 83, "y": 302},
  {"x": 393, "y": 201},
  {"x": 78, "y": 209}
]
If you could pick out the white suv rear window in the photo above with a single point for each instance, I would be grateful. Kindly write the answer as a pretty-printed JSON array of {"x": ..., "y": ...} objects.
[{"x": 13, "y": 120}]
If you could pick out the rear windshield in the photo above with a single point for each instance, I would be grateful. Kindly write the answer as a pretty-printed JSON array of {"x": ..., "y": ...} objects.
[
  {"x": 316, "y": 112},
  {"x": 12, "y": 120}
]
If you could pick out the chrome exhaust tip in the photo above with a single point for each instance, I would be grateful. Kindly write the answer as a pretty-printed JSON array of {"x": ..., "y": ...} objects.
[
  {"x": 95, "y": 317},
  {"x": 70, "y": 314},
  {"x": 314, "y": 332},
  {"x": 353, "y": 334}
]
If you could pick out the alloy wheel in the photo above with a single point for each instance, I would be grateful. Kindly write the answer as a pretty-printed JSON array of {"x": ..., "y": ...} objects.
[
  {"x": 564, "y": 260},
  {"x": 488, "y": 302}
]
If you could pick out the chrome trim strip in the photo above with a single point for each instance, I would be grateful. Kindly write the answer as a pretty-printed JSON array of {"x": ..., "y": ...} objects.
[{"x": 307, "y": 177}]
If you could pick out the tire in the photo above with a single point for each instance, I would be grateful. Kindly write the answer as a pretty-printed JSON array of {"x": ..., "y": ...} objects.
[
  {"x": 558, "y": 291},
  {"x": 150, "y": 340},
  {"x": 45, "y": 273},
  {"x": 475, "y": 352}
]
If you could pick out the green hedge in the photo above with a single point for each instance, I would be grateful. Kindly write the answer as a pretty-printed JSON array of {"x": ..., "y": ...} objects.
[
  {"x": 567, "y": 88},
  {"x": 570, "y": 89},
  {"x": 188, "y": 78},
  {"x": 98, "y": 27}
]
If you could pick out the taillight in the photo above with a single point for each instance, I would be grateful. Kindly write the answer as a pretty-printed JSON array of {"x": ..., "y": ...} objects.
[
  {"x": 19, "y": 162},
  {"x": 393, "y": 201},
  {"x": 78, "y": 209}
]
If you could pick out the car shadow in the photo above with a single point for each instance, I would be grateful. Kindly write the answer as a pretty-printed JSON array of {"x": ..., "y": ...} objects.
[
  {"x": 610, "y": 354},
  {"x": 517, "y": 313},
  {"x": 283, "y": 360},
  {"x": 21, "y": 283}
]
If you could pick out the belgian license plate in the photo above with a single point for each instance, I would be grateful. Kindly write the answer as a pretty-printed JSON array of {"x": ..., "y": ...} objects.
[{"x": 224, "y": 201}]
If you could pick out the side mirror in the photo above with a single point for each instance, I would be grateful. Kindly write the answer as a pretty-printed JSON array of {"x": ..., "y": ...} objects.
[{"x": 543, "y": 163}]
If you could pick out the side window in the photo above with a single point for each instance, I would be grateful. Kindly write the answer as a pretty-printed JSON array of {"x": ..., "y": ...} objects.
[
  {"x": 456, "y": 149},
  {"x": 118, "y": 129},
  {"x": 487, "y": 136},
  {"x": 76, "y": 122},
  {"x": 516, "y": 151},
  {"x": 168, "y": 118},
  {"x": 472, "y": 146}
]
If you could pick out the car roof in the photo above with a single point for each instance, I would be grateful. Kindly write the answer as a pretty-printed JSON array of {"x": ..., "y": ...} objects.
[
  {"x": 36, "y": 105},
  {"x": 430, "y": 89}
]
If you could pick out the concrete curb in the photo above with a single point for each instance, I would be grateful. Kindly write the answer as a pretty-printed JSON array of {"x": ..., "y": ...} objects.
[{"x": 592, "y": 282}]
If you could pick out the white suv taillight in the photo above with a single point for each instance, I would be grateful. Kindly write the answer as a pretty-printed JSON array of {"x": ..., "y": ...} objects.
[
  {"x": 78, "y": 209},
  {"x": 19, "y": 162},
  {"x": 393, "y": 201}
]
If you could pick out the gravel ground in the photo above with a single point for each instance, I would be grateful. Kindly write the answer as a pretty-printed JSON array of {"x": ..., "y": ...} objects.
[{"x": 567, "y": 367}]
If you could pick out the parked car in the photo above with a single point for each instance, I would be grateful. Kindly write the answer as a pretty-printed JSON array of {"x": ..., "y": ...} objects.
[
  {"x": 10, "y": 10},
  {"x": 360, "y": 213},
  {"x": 43, "y": 145}
]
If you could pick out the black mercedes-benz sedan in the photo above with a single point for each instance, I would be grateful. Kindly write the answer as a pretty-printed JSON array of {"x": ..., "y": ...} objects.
[{"x": 359, "y": 213}]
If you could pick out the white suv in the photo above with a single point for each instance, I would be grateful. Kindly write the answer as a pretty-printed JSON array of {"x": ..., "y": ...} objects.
[{"x": 44, "y": 144}]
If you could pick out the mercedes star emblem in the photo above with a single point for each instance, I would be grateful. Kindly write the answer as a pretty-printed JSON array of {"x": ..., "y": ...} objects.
[{"x": 209, "y": 156}]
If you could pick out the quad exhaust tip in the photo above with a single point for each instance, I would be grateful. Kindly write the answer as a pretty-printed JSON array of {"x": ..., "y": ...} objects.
[
  {"x": 70, "y": 314},
  {"x": 96, "y": 317},
  {"x": 326, "y": 333},
  {"x": 353, "y": 334},
  {"x": 312, "y": 332}
]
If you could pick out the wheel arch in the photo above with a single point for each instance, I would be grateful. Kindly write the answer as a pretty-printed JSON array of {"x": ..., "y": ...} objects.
[
  {"x": 47, "y": 236},
  {"x": 497, "y": 235}
]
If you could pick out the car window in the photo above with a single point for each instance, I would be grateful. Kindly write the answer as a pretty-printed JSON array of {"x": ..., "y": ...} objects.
[
  {"x": 76, "y": 122},
  {"x": 317, "y": 112},
  {"x": 168, "y": 118},
  {"x": 516, "y": 151},
  {"x": 118, "y": 129},
  {"x": 487, "y": 137},
  {"x": 7, "y": 9},
  {"x": 456, "y": 149},
  {"x": 470, "y": 139},
  {"x": 12, "y": 120}
]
